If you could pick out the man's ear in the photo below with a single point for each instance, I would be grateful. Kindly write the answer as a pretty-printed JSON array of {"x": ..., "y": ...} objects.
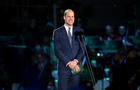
[{"x": 64, "y": 17}]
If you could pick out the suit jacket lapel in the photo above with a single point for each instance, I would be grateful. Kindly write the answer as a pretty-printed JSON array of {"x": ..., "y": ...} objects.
[{"x": 65, "y": 35}]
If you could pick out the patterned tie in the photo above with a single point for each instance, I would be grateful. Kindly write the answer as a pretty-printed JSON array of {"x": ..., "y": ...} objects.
[{"x": 70, "y": 37}]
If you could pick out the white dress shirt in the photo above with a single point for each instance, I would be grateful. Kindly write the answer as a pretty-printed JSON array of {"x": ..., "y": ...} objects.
[{"x": 67, "y": 28}]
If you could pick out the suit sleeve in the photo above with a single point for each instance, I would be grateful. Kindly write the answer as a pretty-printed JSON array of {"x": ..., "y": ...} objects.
[{"x": 57, "y": 48}]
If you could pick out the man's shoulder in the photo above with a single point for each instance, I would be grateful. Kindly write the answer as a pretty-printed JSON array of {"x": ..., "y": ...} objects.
[
  {"x": 57, "y": 31},
  {"x": 60, "y": 28}
]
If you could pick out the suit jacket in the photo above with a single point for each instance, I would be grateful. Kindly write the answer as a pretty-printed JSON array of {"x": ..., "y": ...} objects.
[{"x": 63, "y": 50}]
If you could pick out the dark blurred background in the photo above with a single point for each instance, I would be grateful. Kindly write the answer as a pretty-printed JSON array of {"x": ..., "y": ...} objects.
[{"x": 27, "y": 60}]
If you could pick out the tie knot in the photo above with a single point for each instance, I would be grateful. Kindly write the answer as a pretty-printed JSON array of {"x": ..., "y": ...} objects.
[{"x": 69, "y": 31}]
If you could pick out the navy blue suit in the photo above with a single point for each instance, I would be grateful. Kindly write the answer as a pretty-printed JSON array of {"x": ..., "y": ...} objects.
[{"x": 66, "y": 53}]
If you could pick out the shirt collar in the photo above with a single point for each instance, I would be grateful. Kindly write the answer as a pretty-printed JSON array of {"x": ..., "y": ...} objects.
[{"x": 67, "y": 28}]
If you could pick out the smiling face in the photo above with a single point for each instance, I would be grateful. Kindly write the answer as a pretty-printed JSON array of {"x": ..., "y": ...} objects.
[{"x": 69, "y": 17}]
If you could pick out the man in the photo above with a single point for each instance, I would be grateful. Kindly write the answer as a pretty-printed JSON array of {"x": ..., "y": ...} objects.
[
  {"x": 109, "y": 33},
  {"x": 68, "y": 51}
]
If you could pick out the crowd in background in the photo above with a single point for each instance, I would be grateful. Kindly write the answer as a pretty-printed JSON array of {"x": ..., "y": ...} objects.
[{"x": 27, "y": 58}]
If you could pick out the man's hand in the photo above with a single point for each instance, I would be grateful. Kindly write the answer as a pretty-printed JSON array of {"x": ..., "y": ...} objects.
[
  {"x": 72, "y": 64},
  {"x": 77, "y": 69}
]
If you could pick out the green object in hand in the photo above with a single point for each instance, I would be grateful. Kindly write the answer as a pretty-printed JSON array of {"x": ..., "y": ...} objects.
[{"x": 78, "y": 70}]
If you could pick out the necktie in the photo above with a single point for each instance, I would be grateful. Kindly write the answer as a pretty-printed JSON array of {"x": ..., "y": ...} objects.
[{"x": 70, "y": 37}]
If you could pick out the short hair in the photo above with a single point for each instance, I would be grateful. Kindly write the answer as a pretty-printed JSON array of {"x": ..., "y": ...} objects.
[{"x": 65, "y": 12}]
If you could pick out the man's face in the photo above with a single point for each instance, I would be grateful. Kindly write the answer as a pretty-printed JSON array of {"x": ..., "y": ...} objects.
[
  {"x": 109, "y": 30},
  {"x": 122, "y": 31},
  {"x": 69, "y": 18}
]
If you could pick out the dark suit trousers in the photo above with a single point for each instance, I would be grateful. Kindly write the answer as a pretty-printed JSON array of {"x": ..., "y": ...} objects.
[{"x": 67, "y": 81}]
